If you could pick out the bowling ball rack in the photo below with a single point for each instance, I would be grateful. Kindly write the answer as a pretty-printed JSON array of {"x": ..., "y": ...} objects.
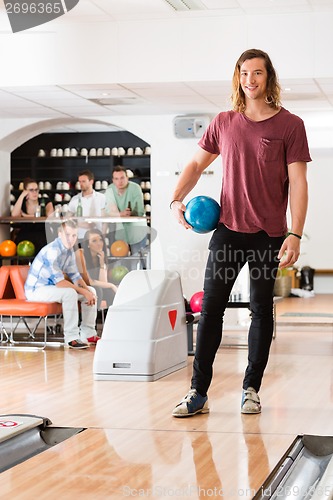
[
  {"x": 24, "y": 436},
  {"x": 304, "y": 471}
]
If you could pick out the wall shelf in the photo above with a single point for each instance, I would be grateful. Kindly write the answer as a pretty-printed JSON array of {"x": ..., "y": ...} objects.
[{"x": 25, "y": 161}]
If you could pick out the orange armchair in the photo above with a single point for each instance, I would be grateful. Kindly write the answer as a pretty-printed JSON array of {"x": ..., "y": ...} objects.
[
  {"x": 4, "y": 274},
  {"x": 13, "y": 303}
]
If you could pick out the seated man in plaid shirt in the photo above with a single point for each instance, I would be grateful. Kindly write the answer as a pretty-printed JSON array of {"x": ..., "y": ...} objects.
[{"x": 48, "y": 281}]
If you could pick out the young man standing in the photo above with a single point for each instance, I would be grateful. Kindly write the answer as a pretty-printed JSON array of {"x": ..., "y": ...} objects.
[
  {"x": 46, "y": 282},
  {"x": 92, "y": 203},
  {"x": 264, "y": 152},
  {"x": 124, "y": 198}
]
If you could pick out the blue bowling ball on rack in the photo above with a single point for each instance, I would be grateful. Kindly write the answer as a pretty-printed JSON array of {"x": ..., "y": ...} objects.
[{"x": 202, "y": 213}]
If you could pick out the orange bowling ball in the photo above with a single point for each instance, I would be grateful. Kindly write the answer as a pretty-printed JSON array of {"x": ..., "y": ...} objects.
[
  {"x": 8, "y": 248},
  {"x": 119, "y": 248}
]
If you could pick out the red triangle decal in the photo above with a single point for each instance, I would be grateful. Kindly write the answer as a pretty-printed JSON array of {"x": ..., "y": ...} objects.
[{"x": 172, "y": 318}]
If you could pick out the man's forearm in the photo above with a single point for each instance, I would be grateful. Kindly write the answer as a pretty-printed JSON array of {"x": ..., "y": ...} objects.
[
  {"x": 186, "y": 182},
  {"x": 298, "y": 215},
  {"x": 298, "y": 202},
  {"x": 191, "y": 173}
]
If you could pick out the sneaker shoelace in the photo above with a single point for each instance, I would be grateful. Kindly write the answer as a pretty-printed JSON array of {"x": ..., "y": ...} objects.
[
  {"x": 188, "y": 398},
  {"x": 250, "y": 394}
]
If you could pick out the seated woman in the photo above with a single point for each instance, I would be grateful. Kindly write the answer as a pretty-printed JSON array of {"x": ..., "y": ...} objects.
[
  {"x": 91, "y": 260},
  {"x": 26, "y": 206}
]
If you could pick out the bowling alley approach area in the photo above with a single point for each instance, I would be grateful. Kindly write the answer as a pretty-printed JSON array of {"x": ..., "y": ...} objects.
[{"x": 117, "y": 439}]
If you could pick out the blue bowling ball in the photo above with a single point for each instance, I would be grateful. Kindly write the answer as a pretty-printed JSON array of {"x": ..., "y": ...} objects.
[{"x": 202, "y": 213}]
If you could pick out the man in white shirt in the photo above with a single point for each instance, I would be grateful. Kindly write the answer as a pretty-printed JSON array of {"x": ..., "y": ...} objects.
[{"x": 92, "y": 202}]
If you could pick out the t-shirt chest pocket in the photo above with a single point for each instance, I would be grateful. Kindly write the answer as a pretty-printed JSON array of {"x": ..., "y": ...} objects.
[{"x": 270, "y": 150}]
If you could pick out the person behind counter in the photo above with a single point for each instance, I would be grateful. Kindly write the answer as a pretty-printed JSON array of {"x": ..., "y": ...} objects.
[
  {"x": 124, "y": 198},
  {"x": 28, "y": 205},
  {"x": 91, "y": 203},
  {"x": 92, "y": 264}
]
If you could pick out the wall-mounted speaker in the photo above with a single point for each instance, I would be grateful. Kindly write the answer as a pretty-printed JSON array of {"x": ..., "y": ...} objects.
[{"x": 190, "y": 127}]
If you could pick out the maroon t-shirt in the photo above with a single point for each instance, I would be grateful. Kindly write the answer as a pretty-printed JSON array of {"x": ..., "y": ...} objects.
[{"x": 255, "y": 156}]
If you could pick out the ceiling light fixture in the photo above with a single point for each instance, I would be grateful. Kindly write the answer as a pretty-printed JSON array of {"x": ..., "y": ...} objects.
[
  {"x": 186, "y": 4},
  {"x": 115, "y": 101}
]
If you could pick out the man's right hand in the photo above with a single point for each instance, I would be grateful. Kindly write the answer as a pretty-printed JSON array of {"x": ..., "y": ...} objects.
[
  {"x": 178, "y": 208},
  {"x": 126, "y": 213},
  {"x": 90, "y": 297}
]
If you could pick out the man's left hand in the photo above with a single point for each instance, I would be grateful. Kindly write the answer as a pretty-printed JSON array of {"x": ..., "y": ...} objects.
[{"x": 289, "y": 252}]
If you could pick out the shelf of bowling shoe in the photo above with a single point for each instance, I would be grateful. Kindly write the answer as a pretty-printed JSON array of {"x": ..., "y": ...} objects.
[
  {"x": 17, "y": 192},
  {"x": 130, "y": 156},
  {"x": 78, "y": 156},
  {"x": 29, "y": 159},
  {"x": 53, "y": 190},
  {"x": 48, "y": 192},
  {"x": 74, "y": 190}
]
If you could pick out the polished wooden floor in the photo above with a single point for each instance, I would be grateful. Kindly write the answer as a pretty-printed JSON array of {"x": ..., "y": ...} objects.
[{"x": 133, "y": 448}]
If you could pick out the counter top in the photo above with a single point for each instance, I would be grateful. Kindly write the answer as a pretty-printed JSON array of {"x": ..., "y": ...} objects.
[
  {"x": 113, "y": 219},
  {"x": 19, "y": 220},
  {"x": 22, "y": 220}
]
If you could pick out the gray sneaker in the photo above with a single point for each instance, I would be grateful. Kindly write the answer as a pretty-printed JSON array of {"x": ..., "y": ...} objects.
[
  {"x": 191, "y": 404},
  {"x": 250, "y": 401}
]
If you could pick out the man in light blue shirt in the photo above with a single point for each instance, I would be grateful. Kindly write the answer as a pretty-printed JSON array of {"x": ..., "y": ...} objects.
[
  {"x": 125, "y": 199},
  {"x": 54, "y": 277}
]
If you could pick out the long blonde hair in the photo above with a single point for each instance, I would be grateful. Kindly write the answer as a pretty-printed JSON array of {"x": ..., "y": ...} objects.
[{"x": 273, "y": 86}]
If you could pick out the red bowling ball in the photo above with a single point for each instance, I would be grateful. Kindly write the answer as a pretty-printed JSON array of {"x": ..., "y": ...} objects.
[{"x": 196, "y": 301}]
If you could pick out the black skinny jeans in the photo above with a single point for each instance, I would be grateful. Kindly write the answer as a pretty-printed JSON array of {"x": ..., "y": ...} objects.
[{"x": 229, "y": 251}]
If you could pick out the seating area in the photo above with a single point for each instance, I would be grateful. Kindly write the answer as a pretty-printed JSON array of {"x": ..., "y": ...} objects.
[{"x": 15, "y": 306}]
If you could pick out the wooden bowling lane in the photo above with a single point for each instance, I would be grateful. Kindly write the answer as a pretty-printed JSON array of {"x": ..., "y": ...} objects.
[
  {"x": 297, "y": 393},
  {"x": 59, "y": 385},
  {"x": 133, "y": 448},
  {"x": 114, "y": 464}
]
